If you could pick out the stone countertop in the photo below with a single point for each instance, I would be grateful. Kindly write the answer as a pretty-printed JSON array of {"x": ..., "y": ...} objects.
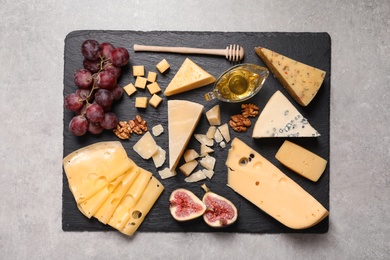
[{"x": 32, "y": 37}]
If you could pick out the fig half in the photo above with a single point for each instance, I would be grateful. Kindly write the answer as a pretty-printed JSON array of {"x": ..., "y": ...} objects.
[
  {"x": 220, "y": 212},
  {"x": 185, "y": 205}
]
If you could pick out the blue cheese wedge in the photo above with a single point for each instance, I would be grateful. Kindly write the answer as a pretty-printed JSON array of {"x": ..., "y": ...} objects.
[
  {"x": 280, "y": 118},
  {"x": 300, "y": 80}
]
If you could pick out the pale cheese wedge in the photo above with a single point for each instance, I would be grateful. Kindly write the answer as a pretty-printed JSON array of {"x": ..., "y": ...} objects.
[
  {"x": 280, "y": 118},
  {"x": 259, "y": 181},
  {"x": 183, "y": 116},
  {"x": 189, "y": 76},
  {"x": 300, "y": 80},
  {"x": 91, "y": 168}
]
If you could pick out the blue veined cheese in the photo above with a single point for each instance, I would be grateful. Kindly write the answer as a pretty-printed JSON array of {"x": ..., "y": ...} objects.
[{"x": 280, "y": 118}]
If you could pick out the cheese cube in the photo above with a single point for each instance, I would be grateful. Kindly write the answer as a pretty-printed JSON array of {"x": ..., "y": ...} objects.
[
  {"x": 155, "y": 101},
  {"x": 130, "y": 89},
  {"x": 152, "y": 76},
  {"x": 153, "y": 88},
  {"x": 138, "y": 71},
  {"x": 141, "y": 102},
  {"x": 188, "y": 167},
  {"x": 140, "y": 82},
  {"x": 163, "y": 66},
  {"x": 214, "y": 115},
  {"x": 301, "y": 160}
]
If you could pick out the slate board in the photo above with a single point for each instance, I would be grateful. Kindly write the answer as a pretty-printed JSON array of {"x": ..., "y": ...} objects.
[{"x": 310, "y": 48}]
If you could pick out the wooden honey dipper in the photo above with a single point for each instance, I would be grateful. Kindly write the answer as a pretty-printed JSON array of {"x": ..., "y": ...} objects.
[{"x": 233, "y": 52}]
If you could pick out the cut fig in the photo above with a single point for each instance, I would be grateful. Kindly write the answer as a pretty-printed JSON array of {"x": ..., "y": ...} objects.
[
  {"x": 220, "y": 212},
  {"x": 185, "y": 205}
]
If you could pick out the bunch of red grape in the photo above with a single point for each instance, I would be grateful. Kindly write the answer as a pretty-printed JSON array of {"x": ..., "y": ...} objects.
[{"x": 97, "y": 88}]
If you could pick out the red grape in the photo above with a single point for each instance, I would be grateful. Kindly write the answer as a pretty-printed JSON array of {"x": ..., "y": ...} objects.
[
  {"x": 104, "y": 97},
  {"x": 119, "y": 56},
  {"x": 106, "y": 80},
  {"x": 91, "y": 49},
  {"x": 109, "y": 121},
  {"x": 94, "y": 113},
  {"x": 92, "y": 65},
  {"x": 114, "y": 70},
  {"x": 83, "y": 78},
  {"x": 73, "y": 102},
  {"x": 106, "y": 49},
  {"x": 84, "y": 94},
  {"x": 117, "y": 92},
  {"x": 95, "y": 128},
  {"x": 78, "y": 125}
]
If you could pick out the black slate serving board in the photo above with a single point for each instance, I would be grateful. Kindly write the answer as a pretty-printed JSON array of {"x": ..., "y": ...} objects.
[{"x": 310, "y": 48}]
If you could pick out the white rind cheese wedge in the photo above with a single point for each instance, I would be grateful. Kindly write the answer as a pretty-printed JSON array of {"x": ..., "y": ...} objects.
[
  {"x": 93, "y": 167},
  {"x": 183, "y": 116},
  {"x": 259, "y": 181},
  {"x": 190, "y": 76},
  {"x": 300, "y": 80},
  {"x": 280, "y": 118}
]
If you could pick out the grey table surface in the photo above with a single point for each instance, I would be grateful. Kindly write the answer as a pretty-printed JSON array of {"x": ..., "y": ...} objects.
[{"x": 31, "y": 78}]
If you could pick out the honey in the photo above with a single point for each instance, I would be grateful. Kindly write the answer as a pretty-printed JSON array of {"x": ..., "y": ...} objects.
[{"x": 239, "y": 83}]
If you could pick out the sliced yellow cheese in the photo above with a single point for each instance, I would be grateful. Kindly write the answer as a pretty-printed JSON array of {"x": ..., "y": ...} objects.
[
  {"x": 183, "y": 116},
  {"x": 189, "y": 76},
  {"x": 300, "y": 80},
  {"x": 93, "y": 167},
  {"x": 91, "y": 205},
  {"x": 122, "y": 212},
  {"x": 301, "y": 160},
  {"x": 138, "y": 213},
  {"x": 104, "y": 213},
  {"x": 259, "y": 181},
  {"x": 280, "y": 118}
]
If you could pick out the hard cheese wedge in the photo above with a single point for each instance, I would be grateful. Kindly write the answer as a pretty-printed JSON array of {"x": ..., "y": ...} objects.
[
  {"x": 280, "y": 118},
  {"x": 93, "y": 167},
  {"x": 190, "y": 76},
  {"x": 183, "y": 116},
  {"x": 300, "y": 80},
  {"x": 259, "y": 181},
  {"x": 301, "y": 160}
]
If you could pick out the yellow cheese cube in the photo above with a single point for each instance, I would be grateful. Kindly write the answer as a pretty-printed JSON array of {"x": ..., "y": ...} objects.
[
  {"x": 152, "y": 76},
  {"x": 130, "y": 89},
  {"x": 155, "y": 101},
  {"x": 162, "y": 66},
  {"x": 153, "y": 88},
  {"x": 141, "y": 102},
  {"x": 140, "y": 82},
  {"x": 138, "y": 71}
]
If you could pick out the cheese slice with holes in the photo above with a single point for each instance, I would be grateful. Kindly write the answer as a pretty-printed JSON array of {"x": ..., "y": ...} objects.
[
  {"x": 259, "y": 181},
  {"x": 280, "y": 118},
  {"x": 189, "y": 76},
  {"x": 93, "y": 167},
  {"x": 183, "y": 117},
  {"x": 300, "y": 80}
]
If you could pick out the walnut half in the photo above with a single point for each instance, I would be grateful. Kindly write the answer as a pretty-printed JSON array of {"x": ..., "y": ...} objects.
[
  {"x": 138, "y": 125},
  {"x": 123, "y": 130},
  {"x": 239, "y": 123},
  {"x": 249, "y": 110}
]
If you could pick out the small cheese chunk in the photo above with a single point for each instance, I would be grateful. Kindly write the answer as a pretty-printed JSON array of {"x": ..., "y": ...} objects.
[
  {"x": 155, "y": 101},
  {"x": 224, "y": 129},
  {"x": 218, "y": 136},
  {"x": 262, "y": 183},
  {"x": 209, "y": 173},
  {"x": 300, "y": 80},
  {"x": 130, "y": 89},
  {"x": 153, "y": 88},
  {"x": 146, "y": 147},
  {"x": 301, "y": 160},
  {"x": 138, "y": 71},
  {"x": 205, "y": 150},
  {"x": 188, "y": 167},
  {"x": 166, "y": 173},
  {"x": 190, "y": 155},
  {"x": 163, "y": 66},
  {"x": 211, "y": 132},
  {"x": 141, "y": 102},
  {"x": 140, "y": 82},
  {"x": 203, "y": 139},
  {"x": 280, "y": 118},
  {"x": 196, "y": 176},
  {"x": 214, "y": 115},
  {"x": 159, "y": 157},
  {"x": 189, "y": 76},
  {"x": 152, "y": 76},
  {"x": 208, "y": 162},
  {"x": 157, "y": 130}
]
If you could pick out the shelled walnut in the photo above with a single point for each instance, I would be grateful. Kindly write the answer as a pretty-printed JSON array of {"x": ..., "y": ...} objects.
[
  {"x": 123, "y": 130},
  {"x": 249, "y": 110},
  {"x": 239, "y": 123},
  {"x": 138, "y": 125}
]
